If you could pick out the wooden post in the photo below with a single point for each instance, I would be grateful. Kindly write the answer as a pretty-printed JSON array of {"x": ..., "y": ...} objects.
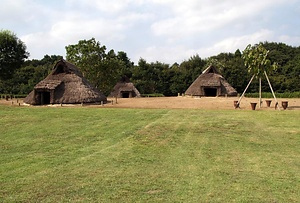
[
  {"x": 238, "y": 103},
  {"x": 272, "y": 90},
  {"x": 259, "y": 103}
]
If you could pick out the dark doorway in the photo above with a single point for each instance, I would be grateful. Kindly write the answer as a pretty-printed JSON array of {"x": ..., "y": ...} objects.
[
  {"x": 125, "y": 94},
  {"x": 210, "y": 92},
  {"x": 45, "y": 98}
]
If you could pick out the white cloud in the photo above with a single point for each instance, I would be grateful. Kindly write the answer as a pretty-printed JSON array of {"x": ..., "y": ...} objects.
[
  {"x": 106, "y": 6},
  {"x": 71, "y": 26},
  {"x": 289, "y": 39},
  {"x": 194, "y": 16},
  {"x": 167, "y": 54},
  {"x": 233, "y": 43},
  {"x": 168, "y": 30},
  {"x": 40, "y": 44},
  {"x": 177, "y": 53}
]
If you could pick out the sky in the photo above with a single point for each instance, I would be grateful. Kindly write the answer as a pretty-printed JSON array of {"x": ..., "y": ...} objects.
[{"x": 168, "y": 31}]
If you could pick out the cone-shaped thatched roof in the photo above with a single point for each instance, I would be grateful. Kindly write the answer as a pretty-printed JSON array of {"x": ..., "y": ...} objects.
[
  {"x": 125, "y": 88},
  {"x": 211, "y": 83},
  {"x": 64, "y": 85}
]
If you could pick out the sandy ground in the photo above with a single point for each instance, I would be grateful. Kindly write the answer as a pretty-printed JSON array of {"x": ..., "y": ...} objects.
[
  {"x": 200, "y": 103},
  {"x": 180, "y": 103}
]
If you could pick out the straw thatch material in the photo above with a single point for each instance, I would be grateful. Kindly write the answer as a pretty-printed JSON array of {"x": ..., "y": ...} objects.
[
  {"x": 125, "y": 89},
  {"x": 64, "y": 85},
  {"x": 211, "y": 83}
]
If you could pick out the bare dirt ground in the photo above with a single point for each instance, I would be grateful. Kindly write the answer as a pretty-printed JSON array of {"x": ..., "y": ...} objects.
[
  {"x": 199, "y": 103},
  {"x": 180, "y": 103}
]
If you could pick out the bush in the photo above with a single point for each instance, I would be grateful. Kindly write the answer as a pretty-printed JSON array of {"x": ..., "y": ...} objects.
[
  {"x": 13, "y": 95},
  {"x": 153, "y": 95},
  {"x": 278, "y": 95}
]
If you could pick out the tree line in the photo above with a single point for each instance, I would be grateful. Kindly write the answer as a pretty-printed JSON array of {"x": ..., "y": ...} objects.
[{"x": 103, "y": 68}]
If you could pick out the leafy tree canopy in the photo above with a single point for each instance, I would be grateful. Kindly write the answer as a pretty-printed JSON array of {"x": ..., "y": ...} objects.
[
  {"x": 12, "y": 53},
  {"x": 256, "y": 60},
  {"x": 100, "y": 68}
]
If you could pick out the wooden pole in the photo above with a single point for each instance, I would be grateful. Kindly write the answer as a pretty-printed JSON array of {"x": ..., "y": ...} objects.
[
  {"x": 272, "y": 90},
  {"x": 238, "y": 103},
  {"x": 259, "y": 92}
]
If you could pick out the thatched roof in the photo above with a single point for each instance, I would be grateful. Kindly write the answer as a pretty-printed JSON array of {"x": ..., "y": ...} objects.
[
  {"x": 124, "y": 86},
  {"x": 48, "y": 84},
  {"x": 66, "y": 85},
  {"x": 211, "y": 79}
]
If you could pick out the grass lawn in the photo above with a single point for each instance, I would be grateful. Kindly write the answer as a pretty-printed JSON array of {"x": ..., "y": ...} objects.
[{"x": 148, "y": 155}]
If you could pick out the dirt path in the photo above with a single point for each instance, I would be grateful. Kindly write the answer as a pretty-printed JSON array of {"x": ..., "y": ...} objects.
[{"x": 182, "y": 103}]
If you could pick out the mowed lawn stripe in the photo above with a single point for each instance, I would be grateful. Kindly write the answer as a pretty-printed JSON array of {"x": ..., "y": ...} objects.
[{"x": 153, "y": 155}]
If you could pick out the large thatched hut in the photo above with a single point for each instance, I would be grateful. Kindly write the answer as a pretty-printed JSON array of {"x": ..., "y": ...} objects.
[
  {"x": 124, "y": 89},
  {"x": 64, "y": 85},
  {"x": 211, "y": 84}
]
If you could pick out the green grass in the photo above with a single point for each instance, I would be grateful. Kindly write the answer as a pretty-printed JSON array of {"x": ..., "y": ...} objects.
[{"x": 139, "y": 155}]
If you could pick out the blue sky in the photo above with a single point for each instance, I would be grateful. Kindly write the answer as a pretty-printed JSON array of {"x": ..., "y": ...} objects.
[{"x": 156, "y": 30}]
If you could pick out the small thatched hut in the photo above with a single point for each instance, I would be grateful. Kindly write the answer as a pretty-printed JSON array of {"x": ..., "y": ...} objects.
[
  {"x": 64, "y": 85},
  {"x": 211, "y": 84},
  {"x": 125, "y": 89}
]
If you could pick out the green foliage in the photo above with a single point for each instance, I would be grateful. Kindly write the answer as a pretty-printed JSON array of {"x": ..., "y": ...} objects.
[
  {"x": 153, "y": 95},
  {"x": 150, "y": 77},
  {"x": 278, "y": 95},
  {"x": 92, "y": 155},
  {"x": 13, "y": 95},
  {"x": 31, "y": 72},
  {"x": 165, "y": 79},
  {"x": 12, "y": 54},
  {"x": 102, "y": 69},
  {"x": 256, "y": 60}
]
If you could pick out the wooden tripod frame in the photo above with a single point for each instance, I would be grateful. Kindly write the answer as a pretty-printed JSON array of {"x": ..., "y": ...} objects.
[{"x": 260, "y": 101}]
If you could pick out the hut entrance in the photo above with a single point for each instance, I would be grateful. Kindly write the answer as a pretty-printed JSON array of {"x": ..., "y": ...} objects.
[
  {"x": 45, "y": 98},
  {"x": 125, "y": 94},
  {"x": 210, "y": 92}
]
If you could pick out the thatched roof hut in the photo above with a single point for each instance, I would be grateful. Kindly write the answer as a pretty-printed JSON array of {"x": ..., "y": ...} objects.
[
  {"x": 125, "y": 89},
  {"x": 64, "y": 85},
  {"x": 211, "y": 83}
]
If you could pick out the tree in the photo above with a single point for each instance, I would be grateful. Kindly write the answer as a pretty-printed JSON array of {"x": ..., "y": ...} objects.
[
  {"x": 31, "y": 72},
  {"x": 144, "y": 77},
  {"x": 12, "y": 54},
  {"x": 255, "y": 58},
  {"x": 100, "y": 68},
  {"x": 233, "y": 69},
  {"x": 128, "y": 65},
  {"x": 87, "y": 55}
]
